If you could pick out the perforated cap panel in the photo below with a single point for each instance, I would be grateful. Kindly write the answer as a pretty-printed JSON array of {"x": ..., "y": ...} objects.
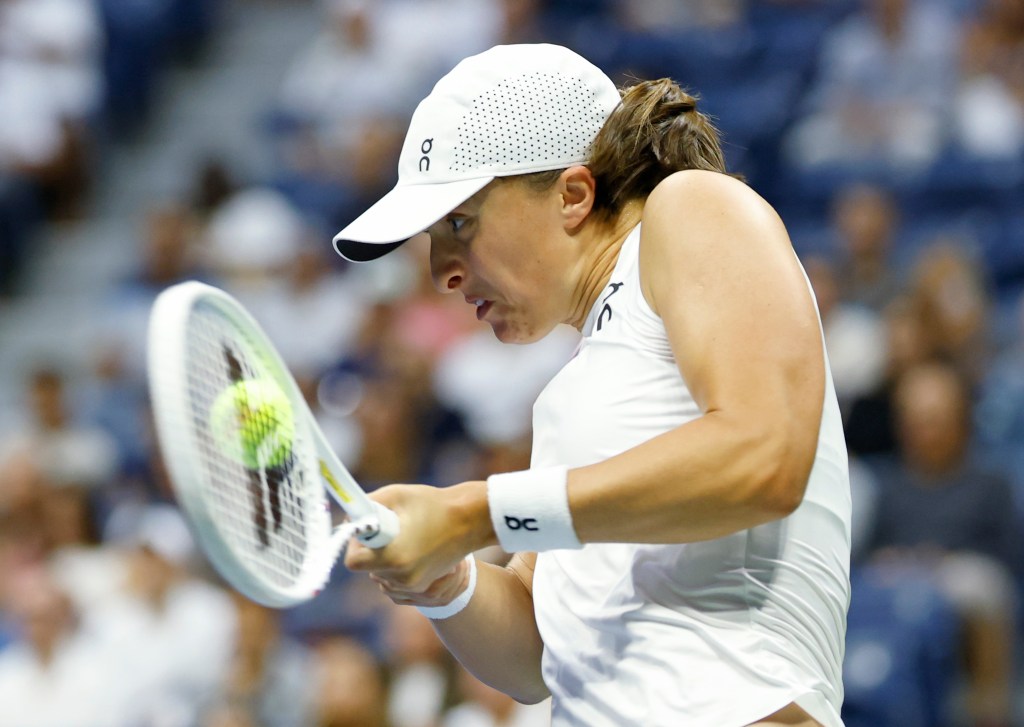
[
  {"x": 537, "y": 118},
  {"x": 513, "y": 109}
]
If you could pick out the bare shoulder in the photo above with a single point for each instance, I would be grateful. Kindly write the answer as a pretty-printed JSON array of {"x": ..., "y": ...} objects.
[
  {"x": 700, "y": 197},
  {"x": 697, "y": 218}
]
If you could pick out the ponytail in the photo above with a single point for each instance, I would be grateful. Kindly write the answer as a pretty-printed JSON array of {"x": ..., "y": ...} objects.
[{"x": 655, "y": 132}]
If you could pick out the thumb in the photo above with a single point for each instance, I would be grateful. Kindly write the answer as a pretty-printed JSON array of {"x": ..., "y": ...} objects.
[{"x": 359, "y": 557}]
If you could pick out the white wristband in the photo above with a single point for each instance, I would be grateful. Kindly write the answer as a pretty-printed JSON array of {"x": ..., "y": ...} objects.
[
  {"x": 448, "y": 610},
  {"x": 530, "y": 510}
]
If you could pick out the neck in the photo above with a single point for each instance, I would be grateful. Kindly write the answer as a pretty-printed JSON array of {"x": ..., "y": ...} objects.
[{"x": 601, "y": 248}]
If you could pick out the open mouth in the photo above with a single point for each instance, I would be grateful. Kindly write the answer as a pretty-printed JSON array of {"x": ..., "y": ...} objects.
[{"x": 482, "y": 307}]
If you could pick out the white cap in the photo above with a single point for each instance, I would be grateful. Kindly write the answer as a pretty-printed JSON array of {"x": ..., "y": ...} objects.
[{"x": 513, "y": 109}]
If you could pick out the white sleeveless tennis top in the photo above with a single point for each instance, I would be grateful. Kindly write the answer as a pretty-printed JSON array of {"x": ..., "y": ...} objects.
[{"x": 711, "y": 634}]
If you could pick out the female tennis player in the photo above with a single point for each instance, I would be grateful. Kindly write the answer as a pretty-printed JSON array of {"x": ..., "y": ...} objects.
[{"x": 681, "y": 541}]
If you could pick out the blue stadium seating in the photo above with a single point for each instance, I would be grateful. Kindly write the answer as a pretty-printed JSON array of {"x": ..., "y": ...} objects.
[{"x": 901, "y": 651}]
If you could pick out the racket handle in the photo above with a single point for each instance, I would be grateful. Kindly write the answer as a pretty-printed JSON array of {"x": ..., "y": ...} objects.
[{"x": 387, "y": 528}]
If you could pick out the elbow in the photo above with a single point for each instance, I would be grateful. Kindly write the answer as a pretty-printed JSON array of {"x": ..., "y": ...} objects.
[
  {"x": 782, "y": 498},
  {"x": 781, "y": 477}
]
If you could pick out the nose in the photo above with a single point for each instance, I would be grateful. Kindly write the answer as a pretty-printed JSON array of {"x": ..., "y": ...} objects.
[{"x": 446, "y": 268}]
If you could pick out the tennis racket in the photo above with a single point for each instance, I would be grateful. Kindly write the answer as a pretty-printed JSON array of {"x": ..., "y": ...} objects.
[{"x": 247, "y": 460}]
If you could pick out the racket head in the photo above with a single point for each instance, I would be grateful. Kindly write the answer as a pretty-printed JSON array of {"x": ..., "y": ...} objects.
[{"x": 266, "y": 529}]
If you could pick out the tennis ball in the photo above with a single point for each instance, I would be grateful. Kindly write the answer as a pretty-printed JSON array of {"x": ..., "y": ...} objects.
[{"x": 252, "y": 423}]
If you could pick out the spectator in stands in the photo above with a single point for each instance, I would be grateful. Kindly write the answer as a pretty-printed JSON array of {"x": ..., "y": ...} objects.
[
  {"x": 948, "y": 288},
  {"x": 53, "y": 674},
  {"x": 423, "y": 323},
  {"x": 313, "y": 312},
  {"x": 866, "y": 218},
  {"x": 168, "y": 251},
  {"x": 521, "y": 22},
  {"x": 869, "y": 420},
  {"x": 660, "y": 16},
  {"x": 51, "y": 88},
  {"x": 250, "y": 240},
  {"x": 114, "y": 398},
  {"x": 20, "y": 213},
  {"x": 882, "y": 94},
  {"x": 344, "y": 101},
  {"x": 213, "y": 184},
  {"x": 270, "y": 676},
  {"x": 990, "y": 102},
  {"x": 483, "y": 706},
  {"x": 229, "y": 714},
  {"x": 344, "y": 78},
  {"x": 938, "y": 509},
  {"x": 854, "y": 335},
  {"x": 493, "y": 386},
  {"x": 169, "y": 248},
  {"x": 421, "y": 672},
  {"x": 69, "y": 453},
  {"x": 394, "y": 422},
  {"x": 22, "y": 484},
  {"x": 1000, "y": 412},
  {"x": 348, "y": 685},
  {"x": 171, "y": 635}
]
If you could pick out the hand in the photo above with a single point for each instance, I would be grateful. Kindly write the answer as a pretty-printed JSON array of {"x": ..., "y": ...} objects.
[
  {"x": 437, "y": 528},
  {"x": 439, "y": 593}
]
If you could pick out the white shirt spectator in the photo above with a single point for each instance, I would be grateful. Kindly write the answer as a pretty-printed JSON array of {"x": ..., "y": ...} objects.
[
  {"x": 881, "y": 96},
  {"x": 74, "y": 690},
  {"x": 494, "y": 386},
  {"x": 63, "y": 41}
]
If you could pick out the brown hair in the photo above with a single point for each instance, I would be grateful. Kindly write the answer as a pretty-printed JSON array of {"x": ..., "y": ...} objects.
[{"x": 654, "y": 132}]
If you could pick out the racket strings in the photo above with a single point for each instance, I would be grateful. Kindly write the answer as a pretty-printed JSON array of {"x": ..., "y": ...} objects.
[{"x": 260, "y": 511}]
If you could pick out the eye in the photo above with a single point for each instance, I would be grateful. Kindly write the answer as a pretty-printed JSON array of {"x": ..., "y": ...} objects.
[{"x": 457, "y": 223}]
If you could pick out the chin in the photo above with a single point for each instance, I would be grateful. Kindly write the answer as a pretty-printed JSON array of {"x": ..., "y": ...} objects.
[{"x": 518, "y": 334}]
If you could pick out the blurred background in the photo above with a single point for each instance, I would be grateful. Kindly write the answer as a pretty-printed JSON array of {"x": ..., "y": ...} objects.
[{"x": 146, "y": 142}]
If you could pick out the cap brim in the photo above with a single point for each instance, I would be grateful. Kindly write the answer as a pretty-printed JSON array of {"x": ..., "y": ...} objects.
[{"x": 403, "y": 212}]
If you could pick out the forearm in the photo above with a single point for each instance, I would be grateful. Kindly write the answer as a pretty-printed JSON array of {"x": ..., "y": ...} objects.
[
  {"x": 706, "y": 479},
  {"x": 495, "y": 637}
]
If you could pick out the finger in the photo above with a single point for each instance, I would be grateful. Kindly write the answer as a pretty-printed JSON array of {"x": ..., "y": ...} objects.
[
  {"x": 359, "y": 557},
  {"x": 353, "y": 558},
  {"x": 442, "y": 588}
]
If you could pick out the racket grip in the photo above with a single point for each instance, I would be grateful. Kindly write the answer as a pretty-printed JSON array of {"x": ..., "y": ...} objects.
[{"x": 387, "y": 528}]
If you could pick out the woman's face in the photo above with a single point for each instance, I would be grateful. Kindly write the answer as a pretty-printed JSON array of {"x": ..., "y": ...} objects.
[{"x": 505, "y": 250}]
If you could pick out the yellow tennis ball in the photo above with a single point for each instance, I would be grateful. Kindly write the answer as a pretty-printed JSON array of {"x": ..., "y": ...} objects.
[{"x": 252, "y": 423}]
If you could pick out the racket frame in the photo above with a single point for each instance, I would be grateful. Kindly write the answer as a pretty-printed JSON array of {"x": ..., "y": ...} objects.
[{"x": 167, "y": 340}]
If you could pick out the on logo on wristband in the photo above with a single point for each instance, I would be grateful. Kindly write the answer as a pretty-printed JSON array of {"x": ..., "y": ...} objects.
[
  {"x": 530, "y": 510},
  {"x": 514, "y": 523}
]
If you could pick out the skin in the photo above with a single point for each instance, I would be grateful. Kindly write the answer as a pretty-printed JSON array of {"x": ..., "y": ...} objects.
[{"x": 748, "y": 345}]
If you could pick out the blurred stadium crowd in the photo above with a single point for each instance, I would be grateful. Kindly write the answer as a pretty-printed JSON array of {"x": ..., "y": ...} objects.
[{"x": 889, "y": 134}]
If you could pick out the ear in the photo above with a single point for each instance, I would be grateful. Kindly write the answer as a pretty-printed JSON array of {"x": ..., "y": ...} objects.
[{"x": 577, "y": 187}]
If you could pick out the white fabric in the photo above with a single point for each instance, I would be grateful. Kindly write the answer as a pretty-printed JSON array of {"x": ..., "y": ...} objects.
[
  {"x": 510, "y": 110},
  {"x": 530, "y": 510},
  {"x": 466, "y": 375},
  {"x": 857, "y": 349},
  {"x": 710, "y": 634},
  {"x": 173, "y": 660},
  {"x": 438, "y": 613},
  {"x": 257, "y": 229},
  {"x": 77, "y": 456},
  {"x": 74, "y": 690},
  {"x": 416, "y": 695},
  {"x": 316, "y": 324}
]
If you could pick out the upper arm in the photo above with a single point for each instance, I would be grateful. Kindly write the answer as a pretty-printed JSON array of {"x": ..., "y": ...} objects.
[{"x": 717, "y": 266}]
